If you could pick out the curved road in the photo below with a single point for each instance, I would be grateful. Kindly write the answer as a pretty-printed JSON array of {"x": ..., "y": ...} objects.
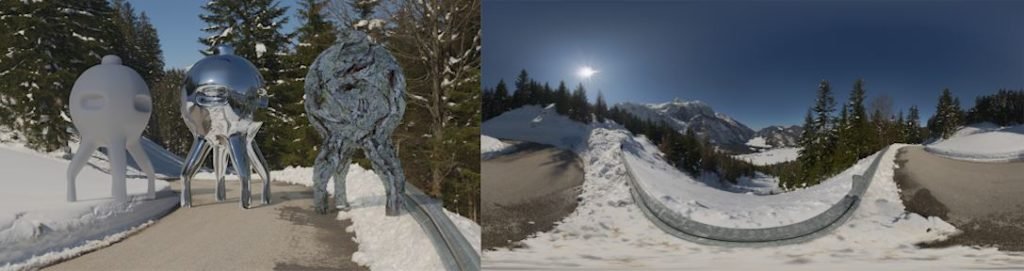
[
  {"x": 285, "y": 235},
  {"x": 984, "y": 200},
  {"x": 527, "y": 191}
]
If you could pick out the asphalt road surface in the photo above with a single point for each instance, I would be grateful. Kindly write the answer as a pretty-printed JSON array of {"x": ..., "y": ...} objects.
[
  {"x": 984, "y": 200},
  {"x": 285, "y": 235},
  {"x": 527, "y": 191}
]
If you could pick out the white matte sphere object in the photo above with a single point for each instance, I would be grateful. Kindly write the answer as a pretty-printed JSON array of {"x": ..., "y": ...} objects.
[{"x": 110, "y": 107}]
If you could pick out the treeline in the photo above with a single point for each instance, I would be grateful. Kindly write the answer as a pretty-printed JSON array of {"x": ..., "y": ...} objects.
[
  {"x": 49, "y": 43},
  {"x": 1004, "y": 108},
  {"x": 833, "y": 141},
  {"x": 527, "y": 91}
]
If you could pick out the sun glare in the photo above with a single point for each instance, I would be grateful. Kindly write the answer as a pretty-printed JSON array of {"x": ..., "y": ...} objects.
[{"x": 587, "y": 72}]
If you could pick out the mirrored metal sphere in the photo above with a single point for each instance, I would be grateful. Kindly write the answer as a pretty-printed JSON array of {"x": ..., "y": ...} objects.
[{"x": 223, "y": 84}]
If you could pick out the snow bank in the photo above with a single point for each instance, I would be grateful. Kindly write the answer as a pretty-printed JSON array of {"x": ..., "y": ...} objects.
[
  {"x": 608, "y": 231},
  {"x": 38, "y": 226},
  {"x": 490, "y": 147},
  {"x": 385, "y": 243},
  {"x": 771, "y": 156},
  {"x": 984, "y": 142}
]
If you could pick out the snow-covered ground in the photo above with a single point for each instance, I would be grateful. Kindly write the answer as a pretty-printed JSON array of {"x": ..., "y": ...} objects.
[
  {"x": 983, "y": 142},
  {"x": 770, "y": 156},
  {"x": 385, "y": 243},
  {"x": 38, "y": 226},
  {"x": 608, "y": 231},
  {"x": 758, "y": 142}
]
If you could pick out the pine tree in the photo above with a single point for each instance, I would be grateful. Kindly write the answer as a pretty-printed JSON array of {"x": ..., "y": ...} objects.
[
  {"x": 47, "y": 45},
  {"x": 947, "y": 116},
  {"x": 288, "y": 133},
  {"x": 562, "y": 99},
  {"x": 502, "y": 102},
  {"x": 172, "y": 132},
  {"x": 600, "y": 107},
  {"x": 580, "y": 110},
  {"x": 254, "y": 28},
  {"x": 861, "y": 136},
  {"x": 914, "y": 126},
  {"x": 138, "y": 46},
  {"x": 523, "y": 91}
]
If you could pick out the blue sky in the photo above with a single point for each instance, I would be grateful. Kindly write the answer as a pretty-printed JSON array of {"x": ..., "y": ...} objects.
[
  {"x": 760, "y": 62},
  {"x": 179, "y": 27}
]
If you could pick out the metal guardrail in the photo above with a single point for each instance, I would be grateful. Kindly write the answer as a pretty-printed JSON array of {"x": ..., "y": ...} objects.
[
  {"x": 456, "y": 252},
  {"x": 680, "y": 226}
]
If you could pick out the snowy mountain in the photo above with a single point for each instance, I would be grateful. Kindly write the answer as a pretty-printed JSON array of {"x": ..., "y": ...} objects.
[
  {"x": 780, "y": 136},
  {"x": 721, "y": 130}
]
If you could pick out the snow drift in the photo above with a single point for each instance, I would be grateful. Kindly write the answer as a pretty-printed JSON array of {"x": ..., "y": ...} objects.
[{"x": 983, "y": 142}]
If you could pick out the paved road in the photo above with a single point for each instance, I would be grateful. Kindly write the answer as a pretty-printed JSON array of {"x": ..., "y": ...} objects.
[
  {"x": 985, "y": 200},
  {"x": 285, "y": 235},
  {"x": 527, "y": 191}
]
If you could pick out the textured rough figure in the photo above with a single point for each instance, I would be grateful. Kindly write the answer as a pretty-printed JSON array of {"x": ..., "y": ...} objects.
[
  {"x": 110, "y": 106},
  {"x": 219, "y": 96},
  {"x": 355, "y": 99}
]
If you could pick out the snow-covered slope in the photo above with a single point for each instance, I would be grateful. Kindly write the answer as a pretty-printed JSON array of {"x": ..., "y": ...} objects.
[
  {"x": 770, "y": 156},
  {"x": 608, "y": 231},
  {"x": 985, "y": 142},
  {"x": 38, "y": 226},
  {"x": 779, "y": 136},
  {"x": 720, "y": 129}
]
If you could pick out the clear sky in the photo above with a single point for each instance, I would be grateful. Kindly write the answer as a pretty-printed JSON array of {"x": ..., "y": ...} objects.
[
  {"x": 760, "y": 62},
  {"x": 179, "y": 27}
]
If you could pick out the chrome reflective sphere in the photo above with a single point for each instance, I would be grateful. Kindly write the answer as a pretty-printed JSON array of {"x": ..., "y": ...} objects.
[
  {"x": 220, "y": 95},
  {"x": 221, "y": 84}
]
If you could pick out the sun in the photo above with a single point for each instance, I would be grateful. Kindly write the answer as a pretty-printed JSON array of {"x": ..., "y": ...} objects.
[{"x": 586, "y": 72}]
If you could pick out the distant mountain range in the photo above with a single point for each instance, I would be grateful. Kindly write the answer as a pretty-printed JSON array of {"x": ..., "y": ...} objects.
[
  {"x": 720, "y": 129},
  {"x": 780, "y": 136}
]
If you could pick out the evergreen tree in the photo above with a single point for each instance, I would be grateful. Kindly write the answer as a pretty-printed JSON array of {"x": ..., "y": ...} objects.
[
  {"x": 914, "y": 126},
  {"x": 861, "y": 136},
  {"x": 288, "y": 133},
  {"x": 580, "y": 110},
  {"x": 523, "y": 92},
  {"x": 47, "y": 44},
  {"x": 172, "y": 132},
  {"x": 254, "y": 28},
  {"x": 600, "y": 108},
  {"x": 138, "y": 46},
  {"x": 809, "y": 149},
  {"x": 562, "y": 99},
  {"x": 502, "y": 102},
  {"x": 947, "y": 116}
]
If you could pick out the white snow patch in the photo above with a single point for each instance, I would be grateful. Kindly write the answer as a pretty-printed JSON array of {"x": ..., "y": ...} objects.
[
  {"x": 984, "y": 142},
  {"x": 260, "y": 49},
  {"x": 490, "y": 146},
  {"x": 758, "y": 142},
  {"x": 770, "y": 156}
]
